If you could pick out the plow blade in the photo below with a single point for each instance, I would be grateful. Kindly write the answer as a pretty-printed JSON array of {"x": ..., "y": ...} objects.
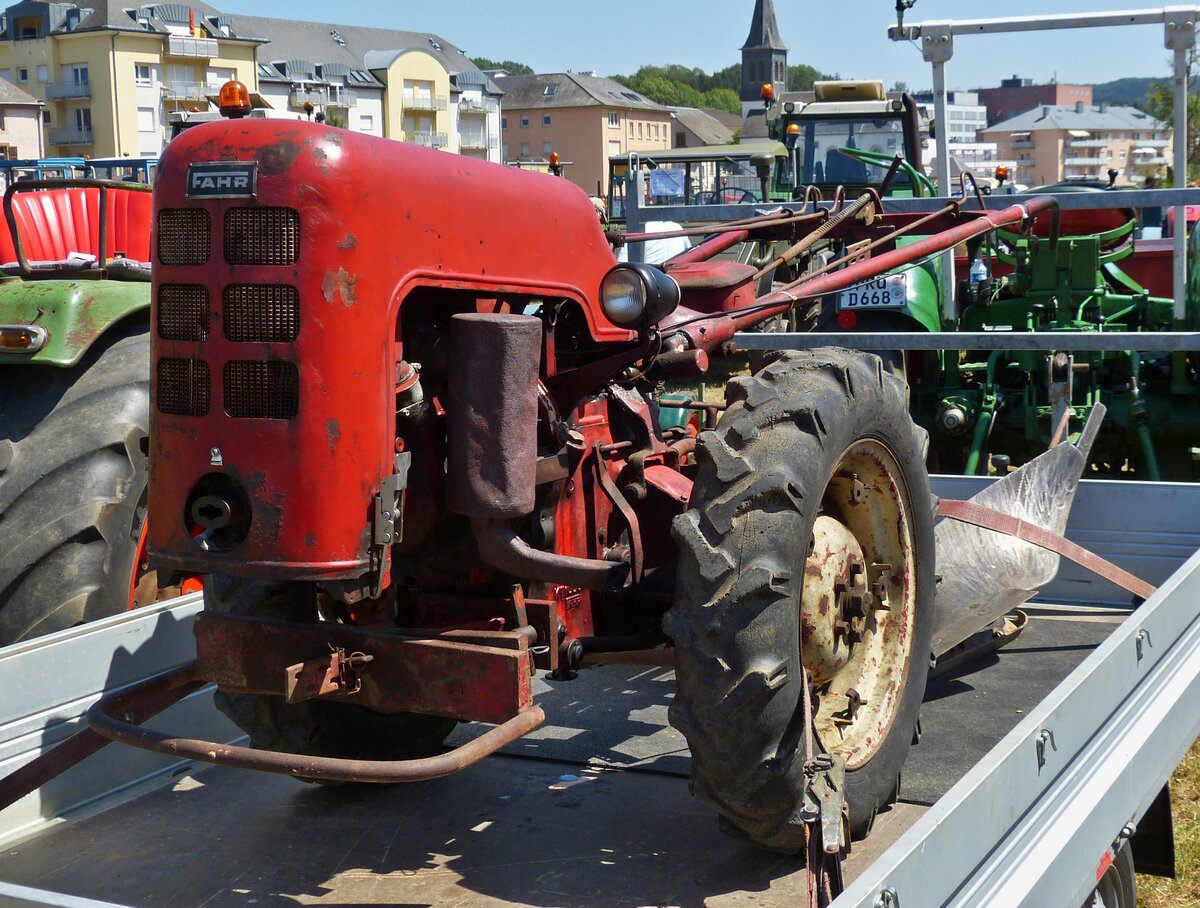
[{"x": 987, "y": 574}]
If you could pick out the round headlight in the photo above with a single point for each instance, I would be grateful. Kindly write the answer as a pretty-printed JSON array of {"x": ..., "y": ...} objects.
[
  {"x": 636, "y": 294},
  {"x": 623, "y": 297}
]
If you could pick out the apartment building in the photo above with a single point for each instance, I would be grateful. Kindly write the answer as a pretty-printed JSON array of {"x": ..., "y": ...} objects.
[
  {"x": 20, "y": 123},
  {"x": 111, "y": 75},
  {"x": 583, "y": 118},
  {"x": 1016, "y": 95},
  {"x": 965, "y": 114},
  {"x": 408, "y": 86},
  {"x": 1052, "y": 143}
]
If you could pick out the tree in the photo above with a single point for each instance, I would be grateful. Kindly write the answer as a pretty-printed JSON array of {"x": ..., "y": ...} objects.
[
  {"x": 509, "y": 66},
  {"x": 1160, "y": 104}
]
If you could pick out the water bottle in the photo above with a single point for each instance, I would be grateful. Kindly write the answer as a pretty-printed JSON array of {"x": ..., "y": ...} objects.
[{"x": 977, "y": 277}]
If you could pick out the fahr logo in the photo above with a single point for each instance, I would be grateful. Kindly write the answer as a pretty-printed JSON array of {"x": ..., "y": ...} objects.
[{"x": 222, "y": 180}]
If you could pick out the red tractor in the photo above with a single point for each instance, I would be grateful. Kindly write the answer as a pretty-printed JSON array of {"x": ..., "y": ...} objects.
[{"x": 405, "y": 417}]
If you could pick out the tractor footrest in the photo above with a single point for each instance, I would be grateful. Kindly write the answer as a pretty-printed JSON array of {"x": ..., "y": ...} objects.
[{"x": 472, "y": 676}]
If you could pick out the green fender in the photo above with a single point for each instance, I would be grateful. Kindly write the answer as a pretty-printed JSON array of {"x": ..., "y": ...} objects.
[
  {"x": 924, "y": 290},
  {"x": 73, "y": 313}
]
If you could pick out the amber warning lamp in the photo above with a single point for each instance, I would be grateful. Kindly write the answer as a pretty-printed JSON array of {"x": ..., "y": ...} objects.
[
  {"x": 234, "y": 100},
  {"x": 555, "y": 164},
  {"x": 767, "y": 93},
  {"x": 1001, "y": 175}
]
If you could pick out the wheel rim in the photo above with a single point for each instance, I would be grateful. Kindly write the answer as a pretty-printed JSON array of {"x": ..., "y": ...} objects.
[{"x": 858, "y": 606}]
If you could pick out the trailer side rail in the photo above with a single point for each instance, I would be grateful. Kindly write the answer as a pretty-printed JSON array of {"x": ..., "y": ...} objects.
[{"x": 1028, "y": 823}]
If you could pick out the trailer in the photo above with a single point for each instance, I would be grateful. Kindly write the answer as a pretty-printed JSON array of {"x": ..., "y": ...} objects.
[{"x": 1033, "y": 770}]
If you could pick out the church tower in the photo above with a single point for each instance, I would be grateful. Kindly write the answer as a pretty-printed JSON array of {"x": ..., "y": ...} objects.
[{"x": 764, "y": 57}]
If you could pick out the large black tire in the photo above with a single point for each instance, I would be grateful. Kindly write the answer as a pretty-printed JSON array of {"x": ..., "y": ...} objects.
[
  {"x": 774, "y": 463},
  {"x": 72, "y": 487},
  {"x": 314, "y": 727}
]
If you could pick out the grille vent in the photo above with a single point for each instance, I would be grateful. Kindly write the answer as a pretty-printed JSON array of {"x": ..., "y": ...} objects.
[
  {"x": 261, "y": 313},
  {"x": 184, "y": 236},
  {"x": 262, "y": 236},
  {"x": 261, "y": 390},
  {"x": 183, "y": 387},
  {"x": 183, "y": 312}
]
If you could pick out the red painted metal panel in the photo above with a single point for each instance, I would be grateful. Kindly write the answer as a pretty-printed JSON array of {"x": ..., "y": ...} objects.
[{"x": 377, "y": 219}]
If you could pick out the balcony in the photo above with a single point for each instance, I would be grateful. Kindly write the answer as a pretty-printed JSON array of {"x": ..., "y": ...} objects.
[
  {"x": 427, "y": 139},
  {"x": 182, "y": 46},
  {"x": 189, "y": 91},
  {"x": 68, "y": 91},
  {"x": 1088, "y": 143},
  {"x": 476, "y": 108},
  {"x": 1152, "y": 143},
  {"x": 75, "y": 135},
  {"x": 1023, "y": 143},
  {"x": 322, "y": 96},
  {"x": 417, "y": 100},
  {"x": 1086, "y": 162},
  {"x": 472, "y": 142}
]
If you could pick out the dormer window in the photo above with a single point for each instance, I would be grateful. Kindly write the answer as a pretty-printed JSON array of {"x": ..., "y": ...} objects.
[{"x": 550, "y": 89}]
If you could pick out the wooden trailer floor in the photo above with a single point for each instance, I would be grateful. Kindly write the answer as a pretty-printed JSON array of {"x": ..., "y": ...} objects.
[{"x": 593, "y": 810}]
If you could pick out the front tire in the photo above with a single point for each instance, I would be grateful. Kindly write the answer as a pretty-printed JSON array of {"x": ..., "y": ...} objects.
[
  {"x": 772, "y": 543},
  {"x": 72, "y": 488}
]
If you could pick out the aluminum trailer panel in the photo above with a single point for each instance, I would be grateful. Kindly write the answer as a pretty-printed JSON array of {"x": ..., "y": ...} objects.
[{"x": 1025, "y": 824}]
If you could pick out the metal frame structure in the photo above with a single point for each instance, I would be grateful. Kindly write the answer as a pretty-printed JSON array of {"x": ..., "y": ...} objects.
[{"x": 1179, "y": 36}]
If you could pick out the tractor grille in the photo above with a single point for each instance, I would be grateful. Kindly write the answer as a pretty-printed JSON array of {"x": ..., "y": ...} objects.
[
  {"x": 261, "y": 390},
  {"x": 262, "y": 236},
  {"x": 183, "y": 312},
  {"x": 261, "y": 313},
  {"x": 184, "y": 236},
  {"x": 183, "y": 387}
]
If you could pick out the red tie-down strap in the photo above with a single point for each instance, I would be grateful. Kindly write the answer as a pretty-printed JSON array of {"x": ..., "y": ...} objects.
[{"x": 991, "y": 519}]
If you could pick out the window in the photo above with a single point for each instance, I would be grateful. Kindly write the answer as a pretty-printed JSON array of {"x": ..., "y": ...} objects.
[
  {"x": 76, "y": 72},
  {"x": 639, "y": 130},
  {"x": 524, "y": 149},
  {"x": 614, "y": 119},
  {"x": 45, "y": 118},
  {"x": 545, "y": 119},
  {"x": 43, "y": 73},
  {"x": 550, "y": 89},
  {"x": 524, "y": 122},
  {"x": 504, "y": 122},
  {"x": 504, "y": 152},
  {"x": 614, "y": 147},
  {"x": 366, "y": 122},
  {"x": 142, "y": 75},
  {"x": 547, "y": 147},
  {"x": 22, "y": 75},
  {"x": 145, "y": 119},
  {"x": 6, "y": 74}
]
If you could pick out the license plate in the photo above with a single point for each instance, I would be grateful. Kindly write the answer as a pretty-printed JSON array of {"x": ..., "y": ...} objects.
[{"x": 887, "y": 292}]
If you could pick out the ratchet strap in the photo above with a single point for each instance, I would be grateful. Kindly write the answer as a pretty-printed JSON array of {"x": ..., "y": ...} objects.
[{"x": 991, "y": 519}]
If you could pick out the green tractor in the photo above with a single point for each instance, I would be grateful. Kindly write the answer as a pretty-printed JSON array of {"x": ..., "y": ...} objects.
[
  {"x": 74, "y": 367},
  {"x": 999, "y": 408}
]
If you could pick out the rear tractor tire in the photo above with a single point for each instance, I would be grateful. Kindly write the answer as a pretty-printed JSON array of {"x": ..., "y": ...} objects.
[
  {"x": 72, "y": 488},
  {"x": 321, "y": 728},
  {"x": 807, "y": 552}
]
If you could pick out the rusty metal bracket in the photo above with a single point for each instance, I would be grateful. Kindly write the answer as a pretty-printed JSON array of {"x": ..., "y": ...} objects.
[
  {"x": 336, "y": 674},
  {"x": 101, "y": 721}
]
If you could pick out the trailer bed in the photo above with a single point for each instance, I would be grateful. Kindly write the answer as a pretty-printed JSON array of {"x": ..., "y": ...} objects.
[{"x": 591, "y": 809}]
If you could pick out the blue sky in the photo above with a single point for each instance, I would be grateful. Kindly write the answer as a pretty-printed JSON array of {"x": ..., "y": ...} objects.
[{"x": 555, "y": 35}]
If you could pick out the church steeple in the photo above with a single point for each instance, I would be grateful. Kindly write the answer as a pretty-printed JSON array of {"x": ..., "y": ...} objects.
[
  {"x": 764, "y": 33},
  {"x": 764, "y": 57}
]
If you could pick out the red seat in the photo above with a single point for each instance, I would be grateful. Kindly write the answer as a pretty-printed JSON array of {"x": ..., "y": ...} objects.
[{"x": 54, "y": 223}]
